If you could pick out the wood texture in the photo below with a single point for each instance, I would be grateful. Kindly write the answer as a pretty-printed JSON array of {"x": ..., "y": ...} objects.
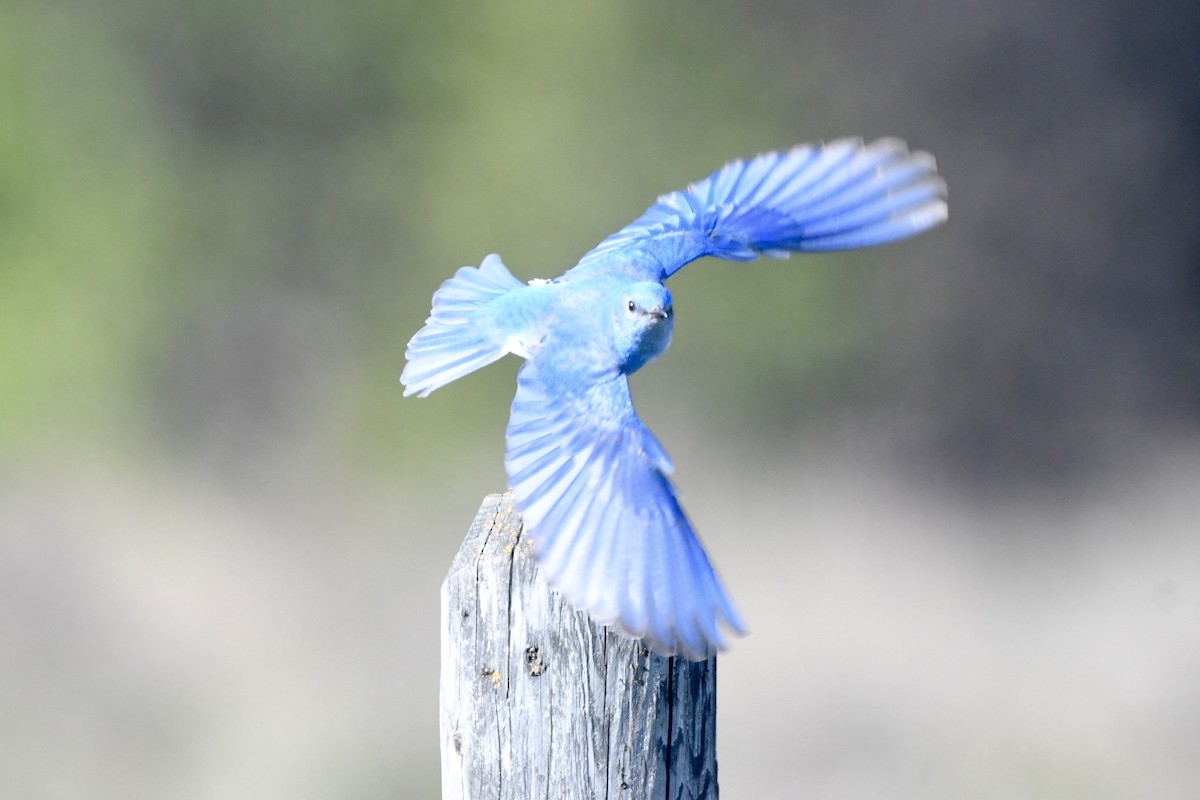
[{"x": 538, "y": 702}]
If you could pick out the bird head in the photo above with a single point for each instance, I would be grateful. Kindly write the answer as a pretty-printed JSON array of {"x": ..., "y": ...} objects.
[{"x": 643, "y": 319}]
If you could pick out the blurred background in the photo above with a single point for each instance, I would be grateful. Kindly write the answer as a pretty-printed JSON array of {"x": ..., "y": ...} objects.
[{"x": 952, "y": 483}]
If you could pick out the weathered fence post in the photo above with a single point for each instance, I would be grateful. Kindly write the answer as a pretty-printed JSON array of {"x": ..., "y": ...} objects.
[{"x": 537, "y": 701}]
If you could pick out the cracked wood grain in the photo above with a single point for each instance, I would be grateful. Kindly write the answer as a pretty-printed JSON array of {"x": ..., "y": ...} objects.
[{"x": 538, "y": 702}]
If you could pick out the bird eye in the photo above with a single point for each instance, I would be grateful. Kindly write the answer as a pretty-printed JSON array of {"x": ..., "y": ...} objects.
[{"x": 632, "y": 306}]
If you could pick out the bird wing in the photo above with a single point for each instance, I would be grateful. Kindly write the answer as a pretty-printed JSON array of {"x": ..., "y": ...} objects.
[
  {"x": 590, "y": 481},
  {"x": 834, "y": 196}
]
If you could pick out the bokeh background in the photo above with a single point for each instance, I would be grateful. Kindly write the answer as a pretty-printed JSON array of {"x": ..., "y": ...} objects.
[{"x": 954, "y": 483}]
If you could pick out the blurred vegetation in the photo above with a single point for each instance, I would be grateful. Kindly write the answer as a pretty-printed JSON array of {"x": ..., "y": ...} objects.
[
  {"x": 220, "y": 222},
  {"x": 222, "y": 528}
]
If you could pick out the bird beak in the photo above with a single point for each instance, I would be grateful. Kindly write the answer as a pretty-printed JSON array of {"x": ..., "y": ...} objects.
[{"x": 660, "y": 313}]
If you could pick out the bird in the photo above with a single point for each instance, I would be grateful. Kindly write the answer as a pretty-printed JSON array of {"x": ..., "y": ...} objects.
[{"x": 589, "y": 479}]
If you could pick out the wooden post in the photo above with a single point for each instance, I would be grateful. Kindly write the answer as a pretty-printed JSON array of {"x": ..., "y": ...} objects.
[{"x": 537, "y": 701}]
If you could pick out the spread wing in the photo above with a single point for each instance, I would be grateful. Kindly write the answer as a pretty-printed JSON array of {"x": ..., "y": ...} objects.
[
  {"x": 590, "y": 481},
  {"x": 836, "y": 196}
]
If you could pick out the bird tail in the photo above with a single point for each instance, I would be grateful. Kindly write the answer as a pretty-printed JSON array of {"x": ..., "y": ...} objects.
[{"x": 452, "y": 343}]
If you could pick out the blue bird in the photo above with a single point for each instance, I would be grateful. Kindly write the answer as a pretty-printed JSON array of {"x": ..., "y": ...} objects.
[{"x": 589, "y": 479}]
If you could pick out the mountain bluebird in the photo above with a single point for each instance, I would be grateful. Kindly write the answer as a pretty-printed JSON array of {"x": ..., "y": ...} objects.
[{"x": 589, "y": 479}]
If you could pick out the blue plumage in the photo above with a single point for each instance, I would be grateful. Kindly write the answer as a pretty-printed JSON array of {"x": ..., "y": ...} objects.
[{"x": 589, "y": 479}]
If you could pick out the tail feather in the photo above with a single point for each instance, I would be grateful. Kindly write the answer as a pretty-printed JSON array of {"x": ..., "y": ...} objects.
[{"x": 452, "y": 344}]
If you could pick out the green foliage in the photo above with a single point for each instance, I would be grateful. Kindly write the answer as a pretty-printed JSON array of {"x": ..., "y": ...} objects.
[
  {"x": 79, "y": 226},
  {"x": 171, "y": 169}
]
